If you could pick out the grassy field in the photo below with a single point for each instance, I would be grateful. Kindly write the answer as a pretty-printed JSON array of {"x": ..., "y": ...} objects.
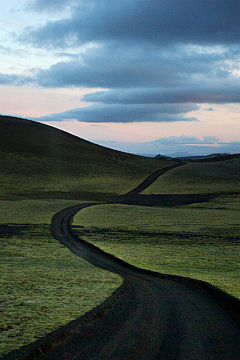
[
  {"x": 200, "y": 240},
  {"x": 43, "y": 285},
  {"x": 200, "y": 178}
]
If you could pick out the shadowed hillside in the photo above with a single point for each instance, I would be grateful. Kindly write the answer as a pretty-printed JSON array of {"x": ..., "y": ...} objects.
[{"x": 40, "y": 161}]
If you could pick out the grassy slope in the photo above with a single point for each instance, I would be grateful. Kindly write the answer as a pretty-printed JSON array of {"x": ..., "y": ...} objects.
[
  {"x": 39, "y": 161},
  {"x": 198, "y": 240},
  {"x": 221, "y": 177},
  {"x": 43, "y": 170}
]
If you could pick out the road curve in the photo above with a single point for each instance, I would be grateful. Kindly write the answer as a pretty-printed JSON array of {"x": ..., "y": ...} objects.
[{"x": 151, "y": 316}]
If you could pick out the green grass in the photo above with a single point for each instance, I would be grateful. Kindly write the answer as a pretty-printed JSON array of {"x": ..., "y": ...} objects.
[
  {"x": 43, "y": 285},
  {"x": 199, "y": 178},
  {"x": 199, "y": 241}
]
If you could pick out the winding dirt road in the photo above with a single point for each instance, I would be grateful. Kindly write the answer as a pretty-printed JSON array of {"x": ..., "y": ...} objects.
[{"x": 151, "y": 316}]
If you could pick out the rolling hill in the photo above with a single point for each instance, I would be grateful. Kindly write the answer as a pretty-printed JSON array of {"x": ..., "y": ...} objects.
[{"x": 39, "y": 161}]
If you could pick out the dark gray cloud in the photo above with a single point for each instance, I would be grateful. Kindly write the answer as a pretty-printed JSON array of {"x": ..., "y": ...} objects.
[
  {"x": 115, "y": 66},
  {"x": 155, "y": 21},
  {"x": 227, "y": 94},
  {"x": 209, "y": 109},
  {"x": 125, "y": 113}
]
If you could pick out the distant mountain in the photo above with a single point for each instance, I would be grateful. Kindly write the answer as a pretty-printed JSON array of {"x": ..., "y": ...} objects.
[
  {"x": 179, "y": 155},
  {"x": 215, "y": 157}
]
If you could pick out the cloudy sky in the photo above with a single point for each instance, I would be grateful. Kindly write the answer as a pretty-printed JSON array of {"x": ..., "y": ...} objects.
[{"x": 142, "y": 76}]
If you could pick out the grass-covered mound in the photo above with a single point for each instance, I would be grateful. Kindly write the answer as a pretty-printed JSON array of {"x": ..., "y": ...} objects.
[{"x": 40, "y": 161}]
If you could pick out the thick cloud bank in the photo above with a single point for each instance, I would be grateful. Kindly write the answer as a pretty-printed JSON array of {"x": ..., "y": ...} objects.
[
  {"x": 124, "y": 114},
  {"x": 144, "y": 53},
  {"x": 142, "y": 21}
]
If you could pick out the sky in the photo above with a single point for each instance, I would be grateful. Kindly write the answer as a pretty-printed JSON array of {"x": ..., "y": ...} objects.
[{"x": 141, "y": 76}]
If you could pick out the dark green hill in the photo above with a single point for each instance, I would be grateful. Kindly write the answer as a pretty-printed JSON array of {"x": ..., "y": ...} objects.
[{"x": 39, "y": 161}]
